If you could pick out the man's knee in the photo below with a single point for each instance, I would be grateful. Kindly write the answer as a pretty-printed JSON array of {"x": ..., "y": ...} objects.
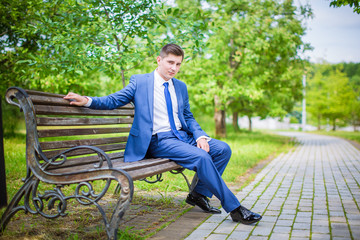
[
  {"x": 225, "y": 149},
  {"x": 203, "y": 158}
]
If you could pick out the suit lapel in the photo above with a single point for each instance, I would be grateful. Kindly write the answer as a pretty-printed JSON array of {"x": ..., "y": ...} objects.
[
  {"x": 178, "y": 95},
  {"x": 180, "y": 101},
  {"x": 150, "y": 82}
]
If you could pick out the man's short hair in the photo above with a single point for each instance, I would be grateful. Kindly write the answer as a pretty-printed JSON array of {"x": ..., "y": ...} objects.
[{"x": 172, "y": 49}]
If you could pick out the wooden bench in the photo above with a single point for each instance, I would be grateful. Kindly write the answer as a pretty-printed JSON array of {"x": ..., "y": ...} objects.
[{"x": 76, "y": 145}]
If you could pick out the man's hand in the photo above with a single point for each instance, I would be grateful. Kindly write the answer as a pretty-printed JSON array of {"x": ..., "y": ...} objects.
[
  {"x": 203, "y": 144},
  {"x": 77, "y": 99}
]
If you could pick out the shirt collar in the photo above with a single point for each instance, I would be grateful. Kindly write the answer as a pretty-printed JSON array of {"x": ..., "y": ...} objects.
[{"x": 159, "y": 81}]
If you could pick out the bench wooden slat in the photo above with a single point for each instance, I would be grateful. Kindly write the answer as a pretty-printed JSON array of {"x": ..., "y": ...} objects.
[
  {"x": 72, "y": 110},
  {"x": 61, "y": 121},
  {"x": 137, "y": 170},
  {"x": 80, "y": 161},
  {"x": 151, "y": 171},
  {"x": 74, "y": 143},
  {"x": 105, "y": 148},
  {"x": 57, "y": 100},
  {"x": 131, "y": 166},
  {"x": 80, "y": 131},
  {"x": 34, "y": 92}
]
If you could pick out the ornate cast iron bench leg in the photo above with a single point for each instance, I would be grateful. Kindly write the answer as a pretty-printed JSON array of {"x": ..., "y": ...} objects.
[
  {"x": 29, "y": 192},
  {"x": 13, "y": 207}
]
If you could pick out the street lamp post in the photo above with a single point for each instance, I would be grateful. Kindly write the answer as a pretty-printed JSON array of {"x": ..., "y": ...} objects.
[{"x": 303, "y": 119}]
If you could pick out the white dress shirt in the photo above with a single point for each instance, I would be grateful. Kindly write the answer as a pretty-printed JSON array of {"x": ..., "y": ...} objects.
[{"x": 161, "y": 119}]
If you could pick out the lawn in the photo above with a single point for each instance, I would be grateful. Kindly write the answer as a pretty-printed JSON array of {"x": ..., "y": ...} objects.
[
  {"x": 248, "y": 149},
  {"x": 353, "y": 136}
]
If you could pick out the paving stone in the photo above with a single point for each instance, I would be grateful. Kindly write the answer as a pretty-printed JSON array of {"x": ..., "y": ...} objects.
[
  {"x": 340, "y": 230},
  {"x": 337, "y": 214},
  {"x": 236, "y": 235},
  {"x": 262, "y": 231},
  {"x": 272, "y": 213},
  {"x": 318, "y": 236},
  {"x": 257, "y": 238},
  {"x": 208, "y": 225},
  {"x": 269, "y": 218},
  {"x": 278, "y": 236},
  {"x": 300, "y": 233},
  {"x": 286, "y": 223},
  {"x": 299, "y": 238},
  {"x": 320, "y": 229},
  {"x": 215, "y": 236},
  {"x": 225, "y": 227},
  {"x": 304, "y": 208},
  {"x": 282, "y": 229},
  {"x": 304, "y": 215},
  {"x": 303, "y": 219},
  {"x": 320, "y": 212},
  {"x": 338, "y": 219},
  {"x": 289, "y": 211},
  {"x": 286, "y": 217},
  {"x": 199, "y": 234},
  {"x": 301, "y": 225},
  {"x": 245, "y": 228}
]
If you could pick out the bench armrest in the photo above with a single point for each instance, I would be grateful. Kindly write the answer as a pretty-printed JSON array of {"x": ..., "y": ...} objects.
[{"x": 55, "y": 162}]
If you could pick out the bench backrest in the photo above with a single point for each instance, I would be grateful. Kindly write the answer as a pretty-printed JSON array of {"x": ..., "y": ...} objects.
[{"x": 57, "y": 126}]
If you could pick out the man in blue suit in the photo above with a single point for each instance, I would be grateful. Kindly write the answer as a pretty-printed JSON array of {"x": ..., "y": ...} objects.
[{"x": 164, "y": 127}]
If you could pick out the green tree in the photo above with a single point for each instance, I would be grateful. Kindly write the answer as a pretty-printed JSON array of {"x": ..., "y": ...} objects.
[
  {"x": 75, "y": 45},
  {"x": 330, "y": 96},
  {"x": 75, "y": 39},
  {"x": 253, "y": 59},
  {"x": 352, "y": 3}
]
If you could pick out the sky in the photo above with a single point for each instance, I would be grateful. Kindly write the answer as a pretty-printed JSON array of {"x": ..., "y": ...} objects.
[{"x": 334, "y": 33}]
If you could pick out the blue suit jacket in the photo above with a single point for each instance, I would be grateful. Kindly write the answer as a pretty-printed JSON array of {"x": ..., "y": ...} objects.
[{"x": 140, "y": 91}]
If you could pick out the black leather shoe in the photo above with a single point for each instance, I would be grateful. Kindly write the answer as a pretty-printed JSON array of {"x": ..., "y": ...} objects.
[
  {"x": 202, "y": 202},
  {"x": 245, "y": 216}
]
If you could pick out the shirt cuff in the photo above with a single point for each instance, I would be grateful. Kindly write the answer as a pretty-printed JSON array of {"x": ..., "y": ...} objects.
[
  {"x": 89, "y": 102},
  {"x": 205, "y": 137}
]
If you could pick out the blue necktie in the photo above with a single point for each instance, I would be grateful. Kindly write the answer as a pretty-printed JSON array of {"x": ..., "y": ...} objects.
[{"x": 170, "y": 111}]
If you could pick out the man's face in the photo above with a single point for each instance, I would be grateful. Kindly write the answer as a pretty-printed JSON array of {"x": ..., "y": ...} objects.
[{"x": 168, "y": 66}]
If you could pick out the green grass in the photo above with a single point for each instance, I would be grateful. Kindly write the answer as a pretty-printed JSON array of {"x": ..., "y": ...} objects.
[
  {"x": 353, "y": 136},
  {"x": 248, "y": 149}
]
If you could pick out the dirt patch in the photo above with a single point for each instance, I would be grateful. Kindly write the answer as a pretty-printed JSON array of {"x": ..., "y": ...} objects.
[{"x": 144, "y": 217}]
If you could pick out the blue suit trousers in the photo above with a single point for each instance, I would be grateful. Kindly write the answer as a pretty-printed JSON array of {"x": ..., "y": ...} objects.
[{"x": 208, "y": 165}]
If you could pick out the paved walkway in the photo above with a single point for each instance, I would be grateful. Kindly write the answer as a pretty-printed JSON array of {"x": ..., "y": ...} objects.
[{"x": 312, "y": 192}]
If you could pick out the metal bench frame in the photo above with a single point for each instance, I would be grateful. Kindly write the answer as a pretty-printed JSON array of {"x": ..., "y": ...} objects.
[{"x": 55, "y": 166}]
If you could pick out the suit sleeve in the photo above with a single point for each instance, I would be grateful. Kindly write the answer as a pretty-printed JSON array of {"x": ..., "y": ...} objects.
[
  {"x": 191, "y": 123},
  {"x": 117, "y": 99}
]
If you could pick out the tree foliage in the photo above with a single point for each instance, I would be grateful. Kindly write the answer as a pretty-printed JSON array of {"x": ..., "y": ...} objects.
[
  {"x": 69, "y": 45},
  {"x": 331, "y": 97},
  {"x": 87, "y": 46},
  {"x": 352, "y": 3},
  {"x": 253, "y": 65}
]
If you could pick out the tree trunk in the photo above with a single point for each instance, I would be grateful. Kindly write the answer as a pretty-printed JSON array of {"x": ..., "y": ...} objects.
[
  {"x": 235, "y": 121},
  {"x": 319, "y": 123},
  {"x": 123, "y": 78},
  {"x": 219, "y": 117},
  {"x": 334, "y": 124},
  {"x": 250, "y": 123}
]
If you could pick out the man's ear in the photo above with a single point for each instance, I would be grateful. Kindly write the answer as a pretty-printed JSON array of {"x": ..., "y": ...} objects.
[{"x": 158, "y": 59}]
